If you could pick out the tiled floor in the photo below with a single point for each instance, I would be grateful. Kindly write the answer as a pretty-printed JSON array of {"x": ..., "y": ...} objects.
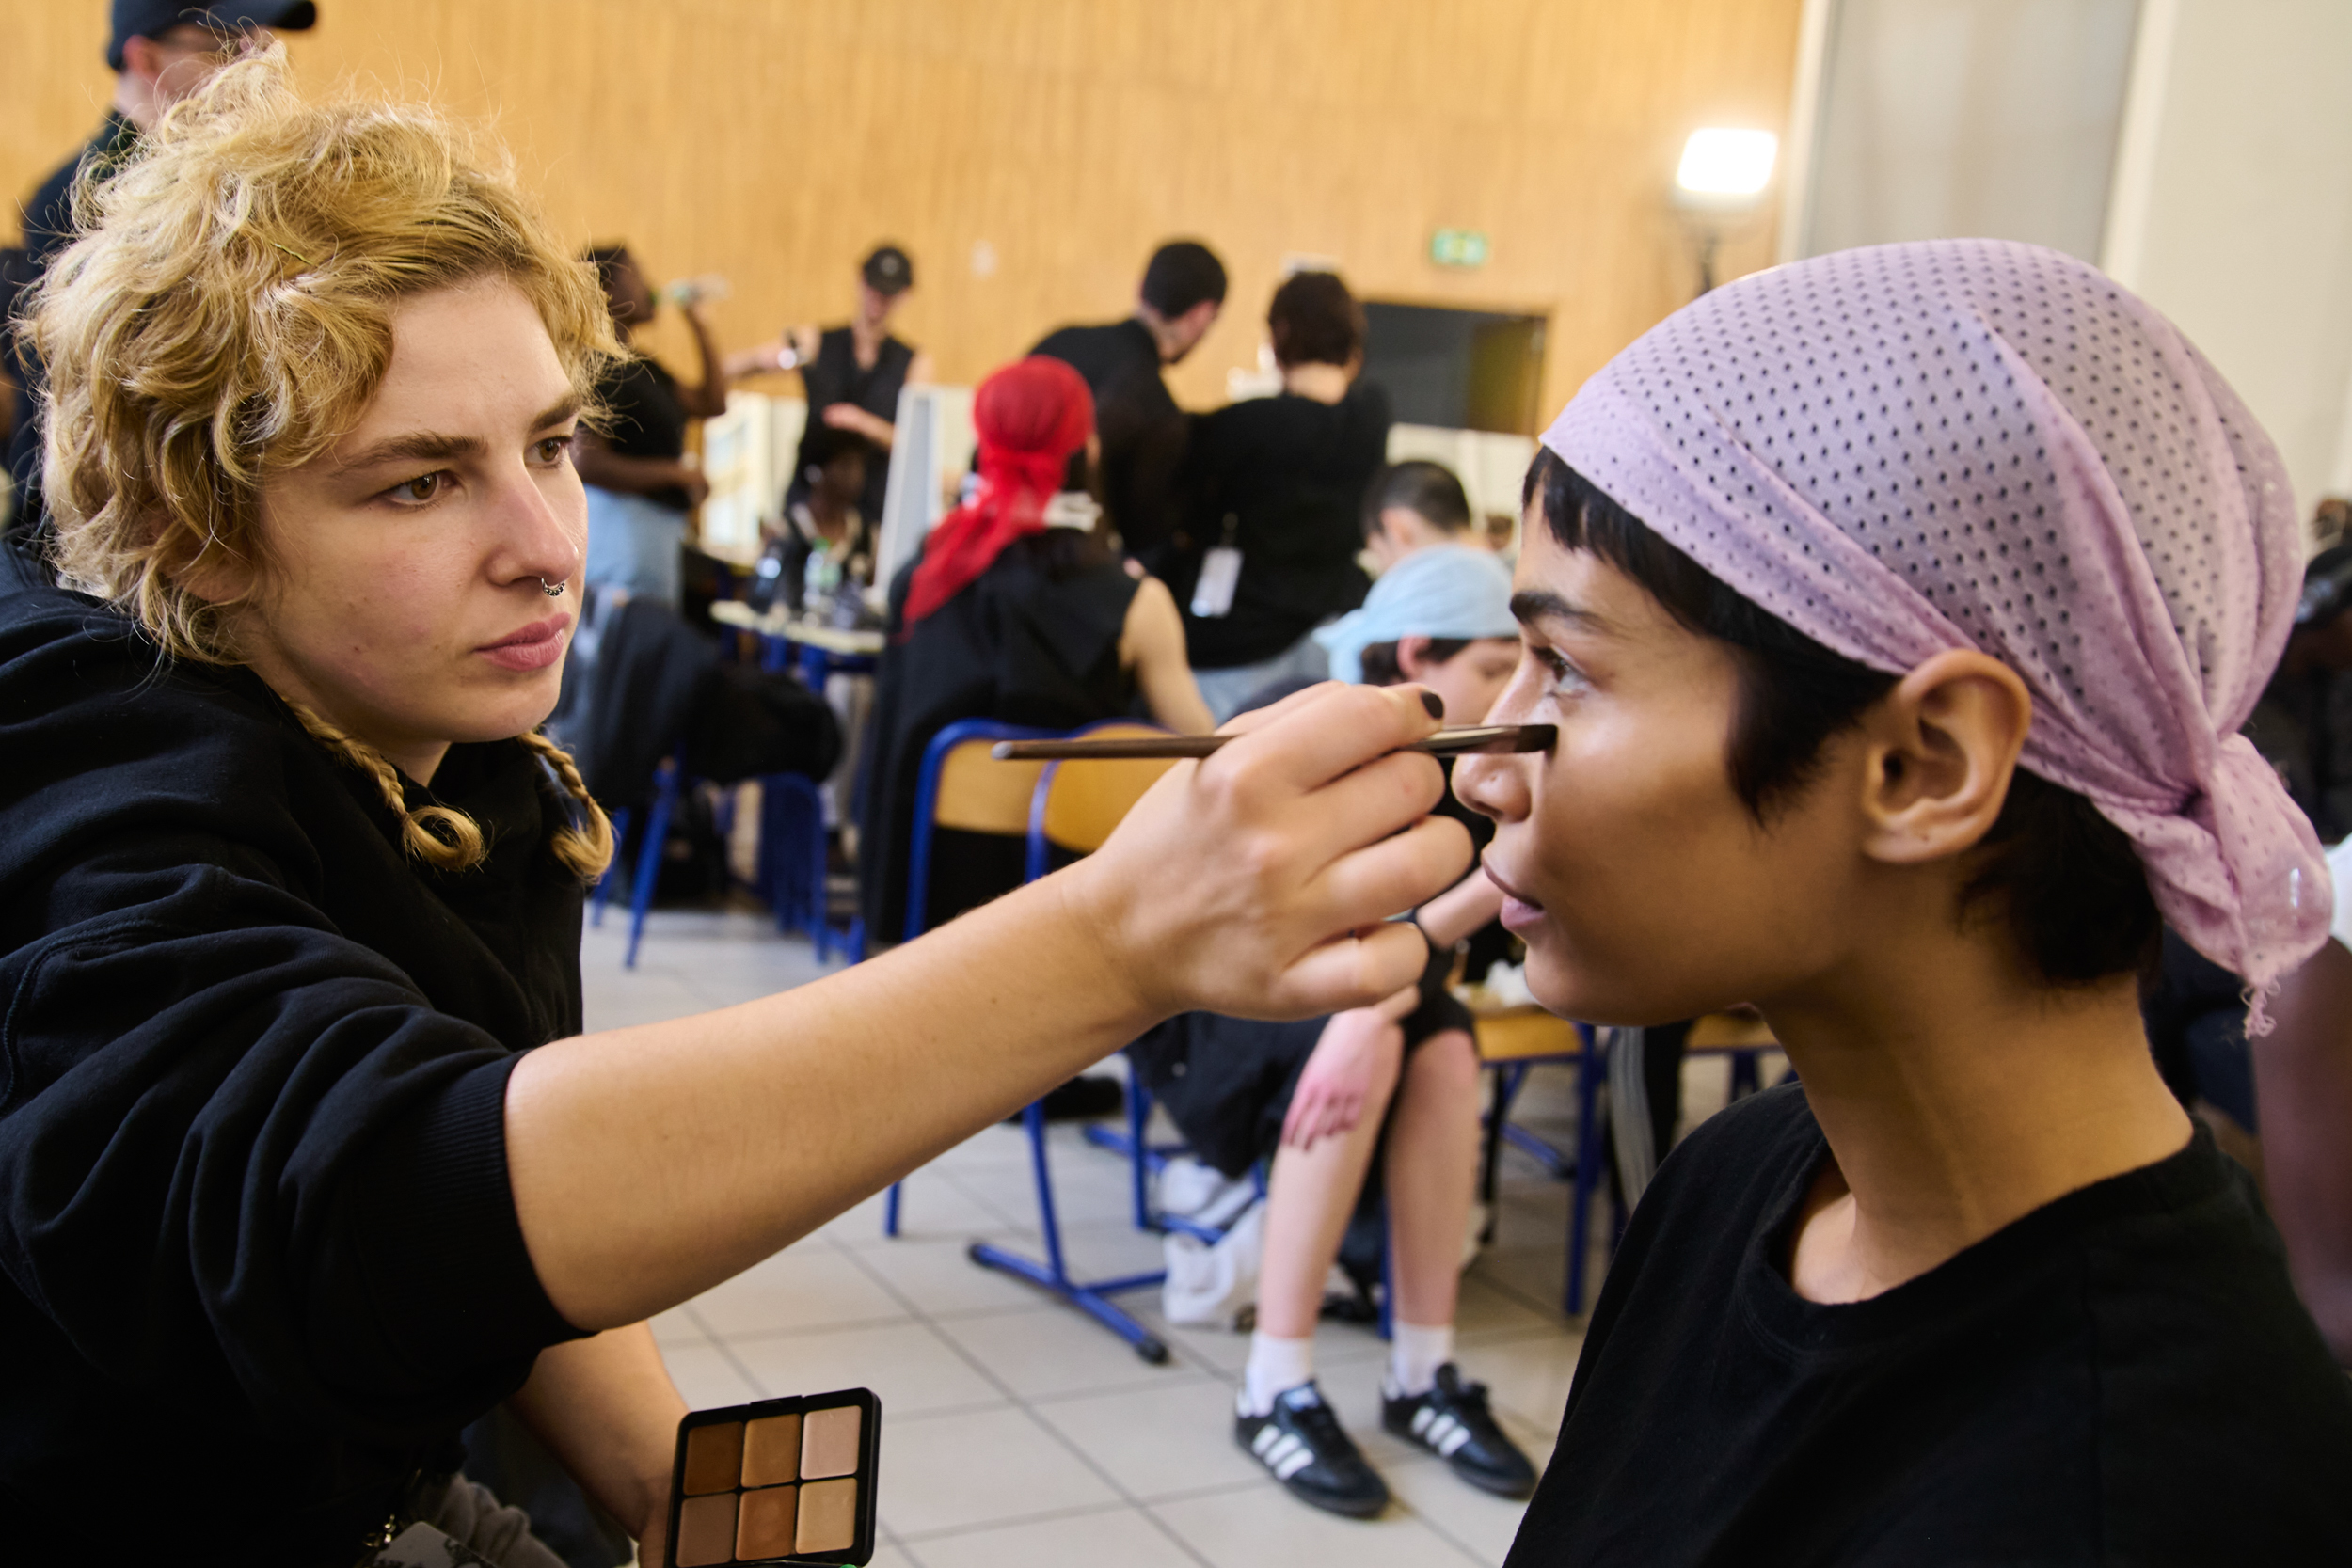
[{"x": 1018, "y": 1432}]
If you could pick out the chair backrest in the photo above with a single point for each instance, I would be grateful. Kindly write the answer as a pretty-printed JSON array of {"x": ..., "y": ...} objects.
[
  {"x": 1079, "y": 802},
  {"x": 962, "y": 786}
]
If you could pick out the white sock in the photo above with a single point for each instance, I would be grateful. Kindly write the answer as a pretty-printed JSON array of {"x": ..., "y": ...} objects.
[
  {"x": 1275, "y": 1366},
  {"x": 1415, "y": 1354}
]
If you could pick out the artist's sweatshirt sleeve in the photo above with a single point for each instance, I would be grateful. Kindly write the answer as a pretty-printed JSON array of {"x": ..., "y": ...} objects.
[{"x": 235, "y": 1144}]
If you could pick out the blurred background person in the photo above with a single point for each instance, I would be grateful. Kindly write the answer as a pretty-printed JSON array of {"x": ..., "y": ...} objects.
[
  {"x": 160, "y": 50},
  {"x": 824, "y": 545},
  {"x": 1411, "y": 506},
  {"x": 1007, "y": 616},
  {"x": 1273, "y": 491},
  {"x": 851, "y": 374},
  {"x": 643, "y": 489},
  {"x": 2303, "y": 722},
  {"x": 1140, "y": 428}
]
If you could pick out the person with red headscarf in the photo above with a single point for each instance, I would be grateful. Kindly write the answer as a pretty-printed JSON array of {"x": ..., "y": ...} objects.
[{"x": 1015, "y": 611}]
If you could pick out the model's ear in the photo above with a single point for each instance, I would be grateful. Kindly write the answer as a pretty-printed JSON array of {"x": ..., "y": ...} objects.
[
  {"x": 1412, "y": 657},
  {"x": 1940, "y": 749}
]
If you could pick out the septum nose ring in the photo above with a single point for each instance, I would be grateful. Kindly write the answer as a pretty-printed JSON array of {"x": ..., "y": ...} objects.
[{"x": 550, "y": 591}]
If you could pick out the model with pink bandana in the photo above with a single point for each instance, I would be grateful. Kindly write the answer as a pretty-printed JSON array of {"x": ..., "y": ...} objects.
[{"x": 1898, "y": 611}]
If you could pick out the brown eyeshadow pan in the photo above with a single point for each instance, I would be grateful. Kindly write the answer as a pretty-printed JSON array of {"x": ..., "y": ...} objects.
[
  {"x": 714, "y": 1458},
  {"x": 771, "y": 1449},
  {"x": 705, "y": 1530},
  {"x": 778, "y": 1481},
  {"x": 766, "y": 1524}
]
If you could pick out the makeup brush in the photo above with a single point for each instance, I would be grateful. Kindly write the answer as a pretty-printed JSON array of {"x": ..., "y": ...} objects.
[{"x": 1488, "y": 738}]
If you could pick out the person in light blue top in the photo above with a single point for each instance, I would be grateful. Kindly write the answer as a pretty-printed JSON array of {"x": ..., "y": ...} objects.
[{"x": 1442, "y": 595}]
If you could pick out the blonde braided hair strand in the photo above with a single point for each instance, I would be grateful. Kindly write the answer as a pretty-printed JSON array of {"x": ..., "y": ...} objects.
[{"x": 446, "y": 838}]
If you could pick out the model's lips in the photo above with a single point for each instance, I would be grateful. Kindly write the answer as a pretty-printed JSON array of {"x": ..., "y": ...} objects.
[
  {"x": 534, "y": 647},
  {"x": 1519, "y": 914}
]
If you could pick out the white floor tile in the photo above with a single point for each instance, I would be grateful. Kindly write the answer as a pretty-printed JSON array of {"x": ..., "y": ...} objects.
[
  {"x": 906, "y": 1365},
  {"x": 939, "y": 1277},
  {"x": 1158, "y": 1442},
  {"x": 1110, "y": 1538},
  {"x": 1055, "y": 1350},
  {"x": 1486, "y": 1308},
  {"x": 1268, "y": 1527},
  {"x": 1481, "y": 1524},
  {"x": 812, "y": 1285},
  {"x": 990, "y": 1466},
  {"x": 677, "y": 1327},
  {"x": 705, "y": 1378}
]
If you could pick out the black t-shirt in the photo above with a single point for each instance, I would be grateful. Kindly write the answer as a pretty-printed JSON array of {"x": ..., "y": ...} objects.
[
  {"x": 1291, "y": 473},
  {"x": 2123, "y": 1376},
  {"x": 645, "y": 419},
  {"x": 1141, "y": 428}
]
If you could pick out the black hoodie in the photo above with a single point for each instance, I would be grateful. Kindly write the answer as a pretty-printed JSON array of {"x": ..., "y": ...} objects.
[{"x": 259, "y": 1256}]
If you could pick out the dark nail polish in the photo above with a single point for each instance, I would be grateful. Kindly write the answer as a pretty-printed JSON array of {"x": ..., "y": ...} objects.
[{"x": 1435, "y": 703}]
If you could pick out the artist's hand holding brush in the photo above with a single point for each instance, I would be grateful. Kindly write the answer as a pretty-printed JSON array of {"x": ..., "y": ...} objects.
[
  {"x": 650, "y": 1164},
  {"x": 1258, "y": 882}
]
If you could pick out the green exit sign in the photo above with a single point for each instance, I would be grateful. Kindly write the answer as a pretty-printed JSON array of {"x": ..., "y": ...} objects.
[{"x": 1458, "y": 248}]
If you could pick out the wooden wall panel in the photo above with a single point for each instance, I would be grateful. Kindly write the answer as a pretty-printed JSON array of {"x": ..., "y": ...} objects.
[{"x": 774, "y": 140}]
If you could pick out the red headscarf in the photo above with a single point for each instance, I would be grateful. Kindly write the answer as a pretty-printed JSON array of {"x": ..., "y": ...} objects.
[{"x": 1030, "y": 417}]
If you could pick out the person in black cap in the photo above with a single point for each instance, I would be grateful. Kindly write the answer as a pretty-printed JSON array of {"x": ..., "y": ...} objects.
[
  {"x": 1142, "y": 430},
  {"x": 160, "y": 50},
  {"x": 851, "y": 374}
]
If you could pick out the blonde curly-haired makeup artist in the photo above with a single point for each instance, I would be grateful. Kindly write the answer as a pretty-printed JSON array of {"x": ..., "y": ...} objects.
[{"x": 304, "y": 1160}]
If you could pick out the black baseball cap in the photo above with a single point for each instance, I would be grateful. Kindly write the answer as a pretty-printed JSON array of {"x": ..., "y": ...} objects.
[
  {"x": 887, "y": 270},
  {"x": 155, "y": 17}
]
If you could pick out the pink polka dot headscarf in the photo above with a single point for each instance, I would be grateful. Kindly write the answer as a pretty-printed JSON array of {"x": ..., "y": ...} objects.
[{"x": 1978, "y": 444}]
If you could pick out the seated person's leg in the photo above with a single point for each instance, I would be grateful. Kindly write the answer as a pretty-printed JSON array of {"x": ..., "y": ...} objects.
[
  {"x": 1432, "y": 1172},
  {"x": 1329, "y": 1132}
]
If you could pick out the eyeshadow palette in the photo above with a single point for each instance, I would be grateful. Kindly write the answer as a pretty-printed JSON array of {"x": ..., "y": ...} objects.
[{"x": 782, "y": 1480}]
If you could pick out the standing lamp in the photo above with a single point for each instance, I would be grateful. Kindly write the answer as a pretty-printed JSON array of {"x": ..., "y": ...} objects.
[{"x": 1718, "y": 184}]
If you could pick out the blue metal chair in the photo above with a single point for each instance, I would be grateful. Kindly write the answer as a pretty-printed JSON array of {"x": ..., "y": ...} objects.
[
  {"x": 665, "y": 791},
  {"x": 959, "y": 786},
  {"x": 1074, "y": 808},
  {"x": 1582, "y": 1165},
  {"x": 791, "y": 874}
]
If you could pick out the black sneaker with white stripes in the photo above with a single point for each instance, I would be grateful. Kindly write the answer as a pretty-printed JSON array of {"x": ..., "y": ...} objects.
[
  {"x": 1452, "y": 1422},
  {"x": 1300, "y": 1441}
]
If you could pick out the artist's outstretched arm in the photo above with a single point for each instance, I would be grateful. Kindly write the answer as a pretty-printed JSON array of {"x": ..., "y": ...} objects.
[{"x": 650, "y": 1164}]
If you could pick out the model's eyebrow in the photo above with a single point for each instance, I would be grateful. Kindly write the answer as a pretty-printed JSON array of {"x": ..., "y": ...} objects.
[
  {"x": 1530, "y": 605},
  {"x": 425, "y": 446}
]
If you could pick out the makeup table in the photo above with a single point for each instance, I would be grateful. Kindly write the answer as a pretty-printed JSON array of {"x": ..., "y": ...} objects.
[{"x": 824, "y": 649}]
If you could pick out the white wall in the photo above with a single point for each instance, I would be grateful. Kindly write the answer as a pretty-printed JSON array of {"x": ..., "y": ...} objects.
[
  {"x": 1948, "y": 119},
  {"x": 2233, "y": 209}
]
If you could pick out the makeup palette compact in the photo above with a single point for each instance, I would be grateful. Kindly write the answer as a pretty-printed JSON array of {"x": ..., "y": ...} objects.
[{"x": 782, "y": 1480}]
